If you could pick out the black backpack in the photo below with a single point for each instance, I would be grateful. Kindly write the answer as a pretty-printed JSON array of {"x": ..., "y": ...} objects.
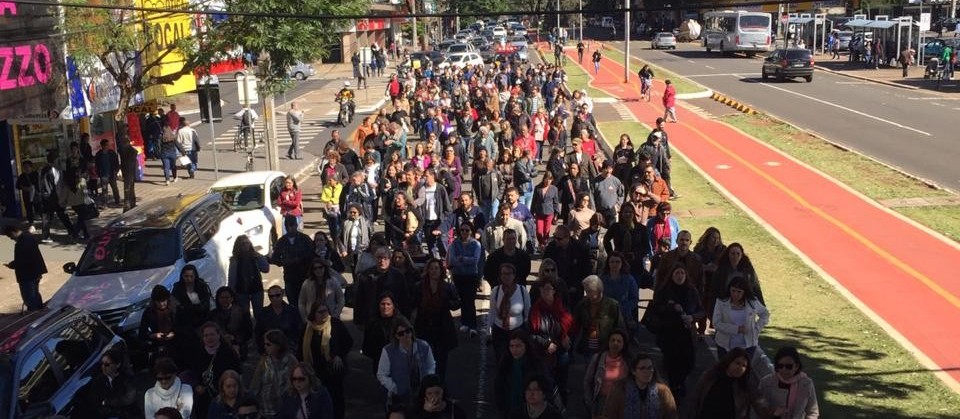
[
  {"x": 246, "y": 118},
  {"x": 48, "y": 183}
]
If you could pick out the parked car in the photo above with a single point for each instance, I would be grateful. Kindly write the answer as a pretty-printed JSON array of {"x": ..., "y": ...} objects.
[
  {"x": 788, "y": 63},
  {"x": 46, "y": 357},
  {"x": 844, "y": 38},
  {"x": 462, "y": 59},
  {"x": 147, "y": 246},
  {"x": 252, "y": 196},
  {"x": 935, "y": 47},
  {"x": 664, "y": 40},
  {"x": 435, "y": 57},
  {"x": 301, "y": 71}
]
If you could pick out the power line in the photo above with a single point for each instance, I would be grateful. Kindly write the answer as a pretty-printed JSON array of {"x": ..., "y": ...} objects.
[{"x": 450, "y": 14}]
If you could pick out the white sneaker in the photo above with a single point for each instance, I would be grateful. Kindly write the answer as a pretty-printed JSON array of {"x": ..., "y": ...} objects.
[
  {"x": 166, "y": 183},
  {"x": 176, "y": 179}
]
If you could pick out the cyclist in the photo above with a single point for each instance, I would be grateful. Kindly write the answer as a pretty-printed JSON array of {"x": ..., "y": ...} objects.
[
  {"x": 346, "y": 94},
  {"x": 247, "y": 117}
]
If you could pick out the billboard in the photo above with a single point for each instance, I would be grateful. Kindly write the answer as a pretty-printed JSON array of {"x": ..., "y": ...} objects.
[
  {"x": 32, "y": 75},
  {"x": 164, "y": 30}
]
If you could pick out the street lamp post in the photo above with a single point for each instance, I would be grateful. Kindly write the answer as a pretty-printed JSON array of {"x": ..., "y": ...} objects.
[
  {"x": 626, "y": 40},
  {"x": 558, "y": 18},
  {"x": 581, "y": 20}
]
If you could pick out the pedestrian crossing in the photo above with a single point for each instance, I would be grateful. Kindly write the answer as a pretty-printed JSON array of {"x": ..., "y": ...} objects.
[{"x": 310, "y": 130}]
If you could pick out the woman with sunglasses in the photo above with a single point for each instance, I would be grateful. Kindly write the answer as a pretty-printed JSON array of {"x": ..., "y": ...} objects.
[
  {"x": 110, "y": 394},
  {"x": 404, "y": 363},
  {"x": 788, "y": 393},
  {"x": 270, "y": 377},
  {"x": 550, "y": 327},
  {"x": 321, "y": 285},
  {"x": 724, "y": 390},
  {"x": 306, "y": 397},
  {"x": 169, "y": 391},
  {"x": 434, "y": 298},
  {"x": 326, "y": 343},
  {"x": 642, "y": 394}
]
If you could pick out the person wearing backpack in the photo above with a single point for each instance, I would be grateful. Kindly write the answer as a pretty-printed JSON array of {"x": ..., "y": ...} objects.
[{"x": 50, "y": 180}]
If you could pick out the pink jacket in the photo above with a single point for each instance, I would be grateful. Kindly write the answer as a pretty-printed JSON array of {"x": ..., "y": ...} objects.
[{"x": 669, "y": 96}]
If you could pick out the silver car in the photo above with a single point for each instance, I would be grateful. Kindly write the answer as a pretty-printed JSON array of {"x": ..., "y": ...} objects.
[
  {"x": 301, "y": 71},
  {"x": 664, "y": 40}
]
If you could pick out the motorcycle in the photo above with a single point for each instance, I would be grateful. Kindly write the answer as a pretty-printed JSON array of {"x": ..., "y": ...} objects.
[{"x": 345, "y": 116}]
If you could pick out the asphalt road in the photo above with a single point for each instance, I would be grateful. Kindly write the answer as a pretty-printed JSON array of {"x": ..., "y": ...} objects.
[{"x": 908, "y": 129}]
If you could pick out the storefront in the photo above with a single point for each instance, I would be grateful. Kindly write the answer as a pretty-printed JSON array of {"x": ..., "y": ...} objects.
[{"x": 30, "y": 138}]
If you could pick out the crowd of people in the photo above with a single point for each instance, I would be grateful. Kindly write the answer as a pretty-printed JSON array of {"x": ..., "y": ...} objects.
[{"x": 475, "y": 174}]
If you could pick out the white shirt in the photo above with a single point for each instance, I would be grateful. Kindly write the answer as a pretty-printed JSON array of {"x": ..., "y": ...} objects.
[
  {"x": 519, "y": 307},
  {"x": 430, "y": 194},
  {"x": 179, "y": 396}
]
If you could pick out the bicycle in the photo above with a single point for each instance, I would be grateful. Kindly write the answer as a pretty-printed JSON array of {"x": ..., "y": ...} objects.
[{"x": 241, "y": 140}]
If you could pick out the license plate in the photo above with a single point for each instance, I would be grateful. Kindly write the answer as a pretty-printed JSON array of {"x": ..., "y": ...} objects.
[{"x": 798, "y": 65}]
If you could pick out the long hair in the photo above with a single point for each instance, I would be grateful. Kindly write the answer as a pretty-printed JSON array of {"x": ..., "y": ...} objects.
[
  {"x": 744, "y": 260},
  {"x": 702, "y": 241},
  {"x": 740, "y": 282},
  {"x": 242, "y": 246},
  {"x": 720, "y": 369},
  {"x": 307, "y": 371},
  {"x": 643, "y": 356}
]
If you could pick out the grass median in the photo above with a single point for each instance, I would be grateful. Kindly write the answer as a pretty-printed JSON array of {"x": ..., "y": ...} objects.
[
  {"x": 864, "y": 175},
  {"x": 858, "y": 370}
]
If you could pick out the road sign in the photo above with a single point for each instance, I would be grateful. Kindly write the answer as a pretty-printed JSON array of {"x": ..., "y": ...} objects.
[
  {"x": 924, "y": 21},
  {"x": 247, "y": 89}
]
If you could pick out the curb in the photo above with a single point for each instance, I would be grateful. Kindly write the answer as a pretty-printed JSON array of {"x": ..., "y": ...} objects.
[
  {"x": 733, "y": 103},
  {"x": 864, "y": 78}
]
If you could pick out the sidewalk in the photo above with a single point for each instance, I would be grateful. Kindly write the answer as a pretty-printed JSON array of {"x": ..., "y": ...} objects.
[{"x": 892, "y": 76}]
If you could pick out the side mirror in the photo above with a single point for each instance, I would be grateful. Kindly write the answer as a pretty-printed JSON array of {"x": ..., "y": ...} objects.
[
  {"x": 69, "y": 267},
  {"x": 195, "y": 253}
]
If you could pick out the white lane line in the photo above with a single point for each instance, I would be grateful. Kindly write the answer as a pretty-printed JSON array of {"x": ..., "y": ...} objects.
[
  {"x": 710, "y": 67},
  {"x": 690, "y": 61},
  {"x": 724, "y": 74},
  {"x": 866, "y": 115},
  {"x": 854, "y": 82}
]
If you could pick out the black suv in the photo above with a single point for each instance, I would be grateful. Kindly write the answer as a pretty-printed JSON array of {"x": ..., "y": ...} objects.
[
  {"x": 46, "y": 357},
  {"x": 788, "y": 63}
]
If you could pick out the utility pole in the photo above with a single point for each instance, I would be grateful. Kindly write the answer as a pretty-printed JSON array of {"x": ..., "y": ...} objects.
[
  {"x": 626, "y": 41},
  {"x": 413, "y": 10},
  {"x": 269, "y": 120},
  {"x": 581, "y": 20},
  {"x": 558, "y": 18},
  {"x": 213, "y": 135}
]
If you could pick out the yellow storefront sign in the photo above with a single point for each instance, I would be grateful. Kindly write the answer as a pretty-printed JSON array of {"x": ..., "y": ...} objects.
[{"x": 165, "y": 29}]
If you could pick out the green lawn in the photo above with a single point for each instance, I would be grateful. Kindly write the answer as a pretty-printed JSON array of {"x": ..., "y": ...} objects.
[
  {"x": 864, "y": 175},
  {"x": 859, "y": 371}
]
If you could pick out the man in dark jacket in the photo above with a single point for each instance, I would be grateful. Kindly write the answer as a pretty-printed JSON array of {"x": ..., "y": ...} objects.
[
  {"x": 294, "y": 253},
  {"x": 28, "y": 265},
  {"x": 509, "y": 253},
  {"x": 373, "y": 282},
  {"x": 108, "y": 164},
  {"x": 573, "y": 262},
  {"x": 128, "y": 169},
  {"x": 278, "y": 315}
]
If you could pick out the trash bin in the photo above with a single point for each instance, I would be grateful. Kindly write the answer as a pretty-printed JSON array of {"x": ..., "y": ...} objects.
[{"x": 209, "y": 95}]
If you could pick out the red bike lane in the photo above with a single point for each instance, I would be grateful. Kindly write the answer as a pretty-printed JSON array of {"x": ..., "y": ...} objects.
[{"x": 898, "y": 270}]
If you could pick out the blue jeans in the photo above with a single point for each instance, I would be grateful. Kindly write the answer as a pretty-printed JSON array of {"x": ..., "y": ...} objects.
[
  {"x": 169, "y": 166},
  {"x": 333, "y": 222},
  {"x": 30, "y": 293},
  {"x": 194, "y": 158}
]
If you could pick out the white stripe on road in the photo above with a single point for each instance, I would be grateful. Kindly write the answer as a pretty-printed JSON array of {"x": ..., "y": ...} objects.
[
  {"x": 710, "y": 67},
  {"x": 863, "y": 114}
]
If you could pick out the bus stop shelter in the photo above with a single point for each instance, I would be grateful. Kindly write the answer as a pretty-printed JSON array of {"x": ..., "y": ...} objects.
[
  {"x": 812, "y": 29},
  {"x": 897, "y": 33}
]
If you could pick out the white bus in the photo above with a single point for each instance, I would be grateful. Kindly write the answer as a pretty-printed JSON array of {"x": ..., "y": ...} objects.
[{"x": 732, "y": 31}]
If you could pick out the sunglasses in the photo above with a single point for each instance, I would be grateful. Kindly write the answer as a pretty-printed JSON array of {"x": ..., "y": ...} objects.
[
  {"x": 785, "y": 366},
  {"x": 402, "y": 333}
]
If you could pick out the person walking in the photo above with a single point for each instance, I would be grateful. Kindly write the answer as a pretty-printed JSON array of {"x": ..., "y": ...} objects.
[
  {"x": 596, "y": 60},
  {"x": 28, "y": 265},
  {"x": 670, "y": 101},
  {"x": 28, "y": 183},
  {"x": 128, "y": 169},
  {"x": 906, "y": 60},
  {"x": 835, "y": 48},
  {"x": 189, "y": 144},
  {"x": 294, "y": 117},
  {"x": 108, "y": 164},
  {"x": 169, "y": 151},
  {"x": 580, "y": 48},
  {"x": 50, "y": 181}
]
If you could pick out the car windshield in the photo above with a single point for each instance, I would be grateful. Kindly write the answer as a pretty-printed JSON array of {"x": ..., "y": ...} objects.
[
  {"x": 754, "y": 23},
  {"x": 797, "y": 54},
  {"x": 242, "y": 197},
  {"x": 124, "y": 250}
]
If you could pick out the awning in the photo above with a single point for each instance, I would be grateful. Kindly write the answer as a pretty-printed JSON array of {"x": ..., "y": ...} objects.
[
  {"x": 882, "y": 24},
  {"x": 857, "y": 23},
  {"x": 800, "y": 20}
]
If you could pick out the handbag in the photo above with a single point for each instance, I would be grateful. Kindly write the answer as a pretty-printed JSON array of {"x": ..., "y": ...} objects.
[{"x": 184, "y": 161}]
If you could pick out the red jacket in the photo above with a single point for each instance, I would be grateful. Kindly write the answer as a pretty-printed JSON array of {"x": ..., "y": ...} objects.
[
  {"x": 289, "y": 202},
  {"x": 669, "y": 96}
]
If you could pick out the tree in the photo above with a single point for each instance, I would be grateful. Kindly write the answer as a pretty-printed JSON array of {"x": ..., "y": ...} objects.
[{"x": 282, "y": 42}]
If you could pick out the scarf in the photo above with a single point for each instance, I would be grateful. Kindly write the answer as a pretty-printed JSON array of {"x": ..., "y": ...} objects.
[
  {"x": 794, "y": 384},
  {"x": 661, "y": 229},
  {"x": 324, "y": 330},
  {"x": 650, "y": 404},
  {"x": 169, "y": 397},
  {"x": 555, "y": 312},
  {"x": 504, "y": 309}
]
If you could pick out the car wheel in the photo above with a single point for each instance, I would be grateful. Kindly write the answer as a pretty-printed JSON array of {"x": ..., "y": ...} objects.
[
  {"x": 763, "y": 75},
  {"x": 673, "y": 47},
  {"x": 809, "y": 78},
  {"x": 300, "y": 76},
  {"x": 709, "y": 49}
]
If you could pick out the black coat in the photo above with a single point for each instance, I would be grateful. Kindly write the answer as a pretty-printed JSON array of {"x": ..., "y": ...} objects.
[
  {"x": 319, "y": 405},
  {"x": 371, "y": 283},
  {"x": 27, "y": 264},
  {"x": 437, "y": 326},
  {"x": 103, "y": 399}
]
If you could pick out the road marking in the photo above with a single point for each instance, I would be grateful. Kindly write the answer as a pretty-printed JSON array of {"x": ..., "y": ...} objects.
[
  {"x": 723, "y": 167},
  {"x": 710, "y": 67},
  {"x": 854, "y": 82},
  {"x": 724, "y": 75},
  {"x": 866, "y": 115},
  {"x": 689, "y": 61},
  {"x": 934, "y": 98}
]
